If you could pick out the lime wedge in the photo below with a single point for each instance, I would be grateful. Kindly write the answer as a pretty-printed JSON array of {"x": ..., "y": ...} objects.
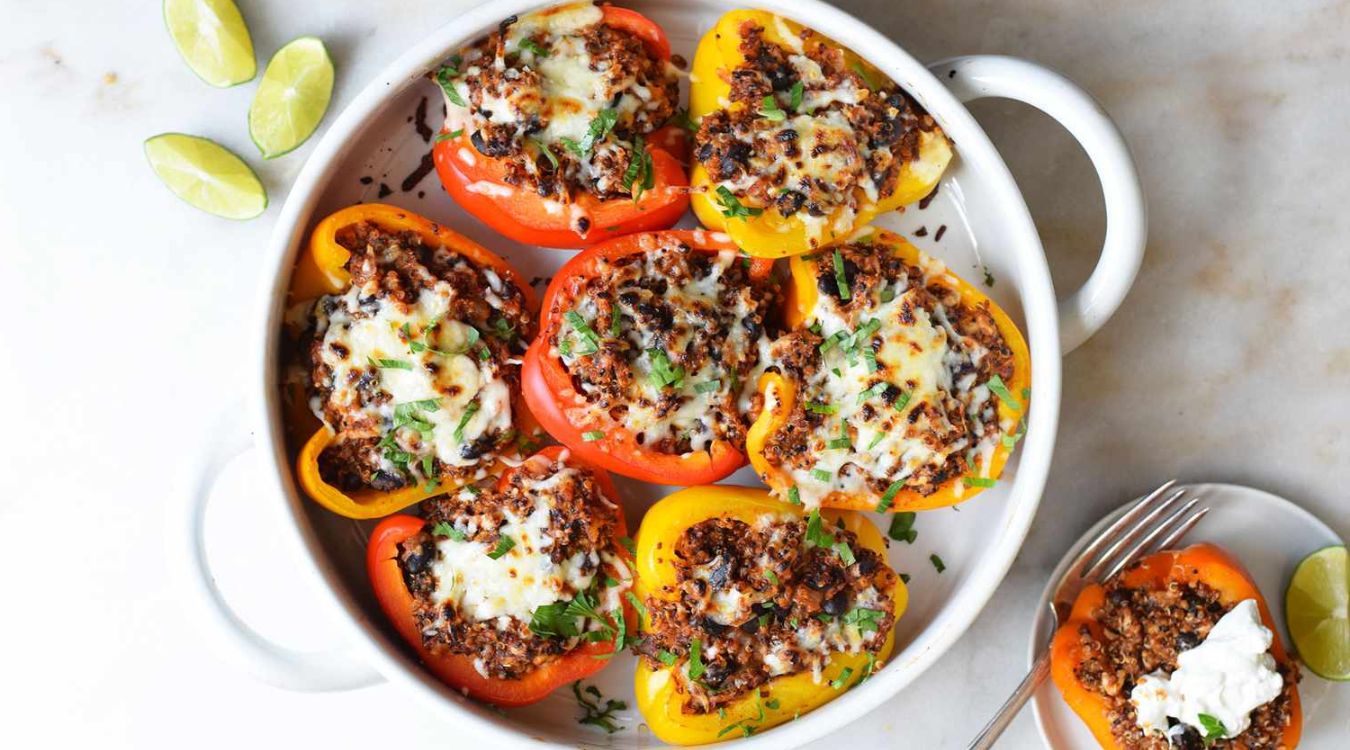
[
  {"x": 292, "y": 97},
  {"x": 1317, "y": 611},
  {"x": 213, "y": 40},
  {"x": 206, "y": 175}
]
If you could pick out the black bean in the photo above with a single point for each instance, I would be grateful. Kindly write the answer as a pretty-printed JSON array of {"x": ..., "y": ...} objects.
[
  {"x": 1187, "y": 641},
  {"x": 837, "y": 604}
]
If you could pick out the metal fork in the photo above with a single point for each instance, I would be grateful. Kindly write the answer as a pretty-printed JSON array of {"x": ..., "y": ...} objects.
[{"x": 1154, "y": 523}]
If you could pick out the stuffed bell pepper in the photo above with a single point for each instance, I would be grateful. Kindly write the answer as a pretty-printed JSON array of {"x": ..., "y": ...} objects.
[
  {"x": 755, "y": 611},
  {"x": 508, "y": 592},
  {"x": 1178, "y": 651},
  {"x": 800, "y": 141},
  {"x": 558, "y": 127},
  {"x": 648, "y": 355},
  {"x": 900, "y": 387},
  {"x": 408, "y": 337}
]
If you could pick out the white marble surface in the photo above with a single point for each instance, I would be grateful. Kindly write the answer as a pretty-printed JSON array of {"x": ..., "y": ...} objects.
[{"x": 1230, "y": 360}]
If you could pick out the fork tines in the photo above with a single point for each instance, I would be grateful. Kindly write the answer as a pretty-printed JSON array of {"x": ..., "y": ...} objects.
[{"x": 1153, "y": 524}]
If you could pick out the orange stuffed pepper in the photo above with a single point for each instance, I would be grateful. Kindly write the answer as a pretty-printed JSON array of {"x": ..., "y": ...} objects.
[
  {"x": 408, "y": 336},
  {"x": 508, "y": 592},
  {"x": 559, "y": 128},
  {"x": 1179, "y": 648}
]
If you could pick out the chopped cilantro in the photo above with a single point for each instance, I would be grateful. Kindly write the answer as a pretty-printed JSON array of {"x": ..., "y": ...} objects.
[
  {"x": 470, "y": 409},
  {"x": 997, "y": 385},
  {"x": 591, "y": 436},
  {"x": 597, "y": 715},
  {"x": 985, "y": 482},
  {"x": 390, "y": 364},
  {"x": 902, "y": 527},
  {"x": 840, "y": 277},
  {"x": 666, "y": 658},
  {"x": 937, "y": 562},
  {"x": 534, "y": 47},
  {"x": 795, "y": 96},
  {"x": 504, "y": 545},
  {"x": 770, "y": 110},
  {"x": 707, "y": 386},
  {"x": 839, "y": 682},
  {"x": 445, "y": 77},
  {"x": 732, "y": 208},
  {"x": 446, "y": 530},
  {"x": 794, "y": 495},
  {"x": 695, "y": 659},
  {"x": 888, "y": 496}
]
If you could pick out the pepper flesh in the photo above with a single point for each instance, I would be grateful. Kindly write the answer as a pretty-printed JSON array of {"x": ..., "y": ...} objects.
[
  {"x": 553, "y": 399},
  {"x": 321, "y": 270},
  {"x": 1199, "y": 563},
  {"x": 771, "y": 235},
  {"x": 478, "y": 185},
  {"x": 658, "y": 699},
  {"x": 458, "y": 670},
  {"x": 780, "y": 393}
]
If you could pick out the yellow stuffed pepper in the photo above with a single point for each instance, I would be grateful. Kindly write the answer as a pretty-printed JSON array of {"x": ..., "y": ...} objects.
[
  {"x": 800, "y": 141},
  {"x": 406, "y": 336},
  {"x": 755, "y": 611},
  {"x": 901, "y": 387}
]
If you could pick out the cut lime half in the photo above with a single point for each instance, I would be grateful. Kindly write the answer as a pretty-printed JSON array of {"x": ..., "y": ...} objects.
[
  {"x": 213, "y": 40},
  {"x": 292, "y": 97},
  {"x": 1317, "y": 611},
  {"x": 206, "y": 175}
]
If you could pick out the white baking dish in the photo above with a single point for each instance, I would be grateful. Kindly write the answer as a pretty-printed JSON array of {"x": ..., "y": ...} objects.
[{"x": 987, "y": 226}]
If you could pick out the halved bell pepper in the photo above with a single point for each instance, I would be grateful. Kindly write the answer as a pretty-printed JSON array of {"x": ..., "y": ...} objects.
[
  {"x": 783, "y": 698},
  {"x": 1200, "y": 563},
  {"x": 780, "y": 392},
  {"x": 457, "y": 671},
  {"x": 554, "y": 401},
  {"x": 770, "y": 235},
  {"x": 477, "y": 183},
  {"x": 321, "y": 270}
]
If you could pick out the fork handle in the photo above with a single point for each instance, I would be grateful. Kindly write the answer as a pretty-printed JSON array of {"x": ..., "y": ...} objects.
[{"x": 991, "y": 732}]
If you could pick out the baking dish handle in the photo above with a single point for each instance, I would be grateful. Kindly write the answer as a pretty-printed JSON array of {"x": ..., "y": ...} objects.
[
  {"x": 983, "y": 76},
  {"x": 305, "y": 671}
]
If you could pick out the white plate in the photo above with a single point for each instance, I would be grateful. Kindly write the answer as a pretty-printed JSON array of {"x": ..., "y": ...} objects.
[{"x": 1269, "y": 535}]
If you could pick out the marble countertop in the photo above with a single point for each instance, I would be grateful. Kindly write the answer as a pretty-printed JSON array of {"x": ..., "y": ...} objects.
[{"x": 1229, "y": 361}]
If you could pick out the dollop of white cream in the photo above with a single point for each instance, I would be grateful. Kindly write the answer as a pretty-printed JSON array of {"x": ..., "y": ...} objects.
[{"x": 1227, "y": 676}]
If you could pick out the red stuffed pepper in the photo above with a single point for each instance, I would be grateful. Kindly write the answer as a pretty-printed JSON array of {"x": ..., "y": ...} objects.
[
  {"x": 649, "y": 353},
  {"x": 508, "y": 592},
  {"x": 559, "y": 129}
]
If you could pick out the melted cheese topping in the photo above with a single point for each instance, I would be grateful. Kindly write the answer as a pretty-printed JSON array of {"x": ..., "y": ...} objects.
[
  {"x": 517, "y": 583},
  {"x": 572, "y": 88},
  {"x": 701, "y": 394},
  {"x": 470, "y": 396},
  {"x": 918, "y": 354}
]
